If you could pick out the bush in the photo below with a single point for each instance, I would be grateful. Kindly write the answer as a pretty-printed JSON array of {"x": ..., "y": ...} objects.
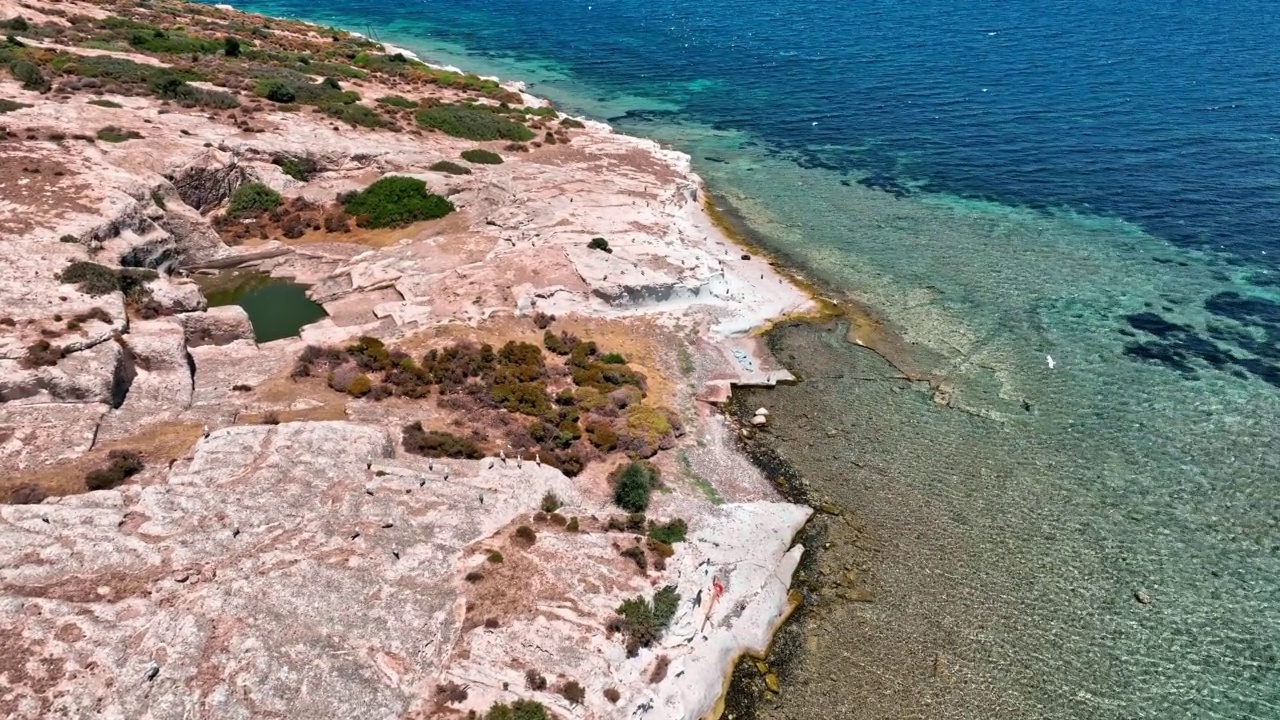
[
  {"x": 600, "y": 244},
  {"x": 252, "y": 199},
  {"x": 18, "y": 24},
  {"x": 353, "y": 113},
  {"x": 642, "y": 622},
  {"x": 397, "y": 101},
  {"x": 569, "y": 122},
  {"x": 612, "y": 695},
  {"x": 494, "y": 557},
  {"x": 360, "y": 386},
  {"x": 572, "y": 525},
  {"x": 473, "y": 123},
  {"x": 301, "y": 167},
  {"x": 636, "y": 554},
  {"x": 534, "y": 680},
  {"x": 395, "y": 201},
  {"x": 106, "y": 103},
  {"x": 518, "y": 710},
  {"x": 632, "y": 485},
  {"x": 573, "y": 692},
  {"x": 94, "y": 279},
  {"x": 123, "y": 464},
  {"x": 551, "y": 502},
  {"x": 670, "y": 533},
  {"x": 231, "y": 48},
  {"x": 7, "y": 105},
  {"x": 482, "y": 157},
  {"x": 433, "y": 443},
  {"x": 450, "y": 168},
  {"x": 659, "y": 670},
  {"x": 29, "y": 75},
  {"x": 277, "y": 91},
  {"x": 613, "y": 359},
  {"x": 526, "y": 535},
  {"x": 113, "y": 134}
]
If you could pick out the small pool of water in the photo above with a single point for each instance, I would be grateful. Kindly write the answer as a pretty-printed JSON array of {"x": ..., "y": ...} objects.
[{"x": 277, "y": 308}]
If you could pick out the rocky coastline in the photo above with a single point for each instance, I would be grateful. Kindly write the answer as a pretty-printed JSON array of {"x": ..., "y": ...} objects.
[{"x": 412, "y": 508}]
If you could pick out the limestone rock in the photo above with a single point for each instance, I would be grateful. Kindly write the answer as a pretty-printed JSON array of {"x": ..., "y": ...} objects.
[{"x": 217, "y": 326}]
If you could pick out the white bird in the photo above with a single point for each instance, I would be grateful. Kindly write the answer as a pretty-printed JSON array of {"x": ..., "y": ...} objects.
[{"x": 1051, "y": 362}]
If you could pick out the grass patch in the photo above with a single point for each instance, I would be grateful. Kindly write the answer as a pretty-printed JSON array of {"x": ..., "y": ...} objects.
[
  {"x": 450, "y": 168},
  {"x": 480, "y": 156},
  {"x": 354, "y": 113},
  {"x": 473, "y": 123},
  {"x": 298, "y": 168},
  {"x": 395, "y": 201},
  {"x": 113, "y": 134},
  {"x": 253, "y": 199},
  {"x": 397, "y": 101},
  {"x": 686, "y": 468}
]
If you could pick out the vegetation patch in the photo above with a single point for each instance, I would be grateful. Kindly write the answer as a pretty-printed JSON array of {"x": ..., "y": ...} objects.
[
  {"x": 518, "y": 710},
  {"x": 669, "y": 533},
  {"x": 633, "y": 483},
  {"x": 600, "y": 243},
  {"x": 300, "y": 167},
  {"x": 94, "y": 279},
  {"x": 450, "y": 168},
  {"x": 252, "y": 199},
  {"x": 113, "y": 134},
  {"x": 642, "y": 622},
  {"x": 395, "y": 201},
  {"x": 482, "y": 157},
  {"x": 102, "y": 102},
  {"x": 122, "y": 465},
  {"x": 473, "y": 122},
  {"x": 397, "y": 101},
  {"x": 7, "y": 105},
  {"x": 433, "y": 443}
]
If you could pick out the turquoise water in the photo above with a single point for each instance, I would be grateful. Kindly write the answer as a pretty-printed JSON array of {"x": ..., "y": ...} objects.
[
  {"x": 277, "y": 308},
  {"x": 1095, "y": 182}
]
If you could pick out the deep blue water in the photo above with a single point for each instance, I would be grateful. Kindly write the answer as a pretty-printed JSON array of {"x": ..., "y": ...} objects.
[{"x": 1096, "y": 181}]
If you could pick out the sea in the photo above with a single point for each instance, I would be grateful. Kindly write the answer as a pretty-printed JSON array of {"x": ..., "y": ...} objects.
[{"x": 1070, "y": 212}]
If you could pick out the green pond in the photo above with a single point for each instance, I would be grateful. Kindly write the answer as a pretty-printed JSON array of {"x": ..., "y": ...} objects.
[{"x": 277, "y": 308}]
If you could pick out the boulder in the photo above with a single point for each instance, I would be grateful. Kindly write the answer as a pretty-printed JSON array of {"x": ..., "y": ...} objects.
[{"x": 217, "y": 326}]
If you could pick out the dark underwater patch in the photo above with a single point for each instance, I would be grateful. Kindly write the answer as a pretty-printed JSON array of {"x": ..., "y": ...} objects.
[{"x": 1243, "y": 336}]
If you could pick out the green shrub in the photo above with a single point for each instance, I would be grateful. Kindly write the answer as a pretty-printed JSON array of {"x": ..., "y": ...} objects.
[
  {"x": 670, "y": 533},
  {"x": 99, "y": 279},
  {"x": 397, "y": 101},
  {"x": 7, "y": 105},
  {"x": 494, "y": 557},
  {"x": 231, "y": 47},
  {"x": 298, "y": 168},
  {"x": 277, "y": 91},
  {"x": 613, "y": 359},
  {"x": 168, "y": 85},
  {"x": 473, "y": 123},
  {"x": 432, "y": 443},
  {"x": 600, "y": 244},
  {"x": 450, "y": 168},
  {"x": 632, "y": 485},
  {"x": 482, "y": 157},
  {"x": 253, "y": 199},
  {"x": 395, "y": 201},
  {"x": 642, "y": 622},
  {"x": 569, "y": 122},
  {"x": 360, "y": 386},
  {"x": 18, "y": 24},
  {"x": 353, "y": 113},
  {"x": 166, "y": 42},
  {"x": 518, "y": 710},
  {"x": 551, "y": 502},
  {"x": 100, "y": 102},
  {"x": 29, "y": 75},
  {"x": 123, "y": 464}
]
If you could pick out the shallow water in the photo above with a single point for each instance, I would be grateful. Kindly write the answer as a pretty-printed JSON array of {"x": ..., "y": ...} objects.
[
  {"x": 277, "y": 308},
  {"x": 1090, "y": 182}
]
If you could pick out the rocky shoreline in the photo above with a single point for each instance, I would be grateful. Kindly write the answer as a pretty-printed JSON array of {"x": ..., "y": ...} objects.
[{"x": 207, "y": 526}]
